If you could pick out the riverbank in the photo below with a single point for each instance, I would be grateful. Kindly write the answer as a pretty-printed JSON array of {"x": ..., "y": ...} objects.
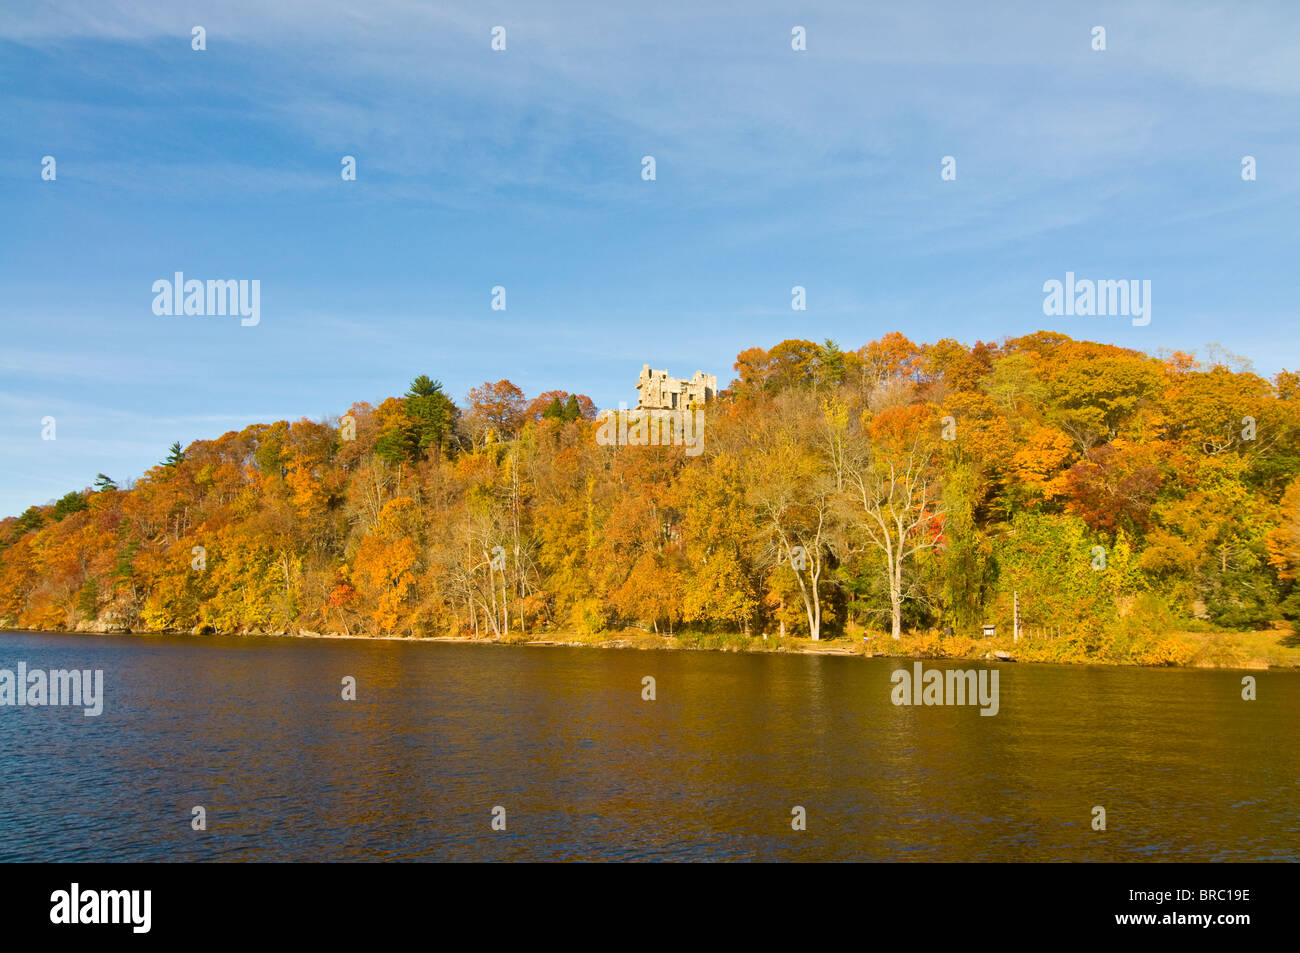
[{"x": 1251, "y": 651}]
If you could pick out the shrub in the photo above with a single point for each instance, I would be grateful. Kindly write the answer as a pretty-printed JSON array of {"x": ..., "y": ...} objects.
[
  {"x": 1168, "y": 651},
  {"x": 589, "y": 617}
]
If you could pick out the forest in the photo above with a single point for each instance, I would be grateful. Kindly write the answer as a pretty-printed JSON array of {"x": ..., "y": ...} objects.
[{"x": 900, "y": 489}]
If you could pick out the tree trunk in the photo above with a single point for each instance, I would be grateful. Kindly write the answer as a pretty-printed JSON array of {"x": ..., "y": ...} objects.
[
  {"x": 896, "y": 603},
  {"x": 505, "y": 606}
]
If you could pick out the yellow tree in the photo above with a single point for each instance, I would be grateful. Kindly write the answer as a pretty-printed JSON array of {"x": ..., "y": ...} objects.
[
  {"x": 386, "y": 563},
  {"x": 791, "y": 494}
]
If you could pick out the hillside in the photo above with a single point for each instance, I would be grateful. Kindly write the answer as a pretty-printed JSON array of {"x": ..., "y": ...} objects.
[{"x": 900, "y": 488}]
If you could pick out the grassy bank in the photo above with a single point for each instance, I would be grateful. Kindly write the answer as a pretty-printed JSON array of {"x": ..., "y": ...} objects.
[{"x": 1273, "y": 648}]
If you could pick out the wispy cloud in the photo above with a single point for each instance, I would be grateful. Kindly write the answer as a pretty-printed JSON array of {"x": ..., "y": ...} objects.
[{"x": 523, "y": 168}]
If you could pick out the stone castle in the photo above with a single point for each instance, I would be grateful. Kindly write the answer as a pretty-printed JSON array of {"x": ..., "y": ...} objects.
[{"x": 657, "y": 391}]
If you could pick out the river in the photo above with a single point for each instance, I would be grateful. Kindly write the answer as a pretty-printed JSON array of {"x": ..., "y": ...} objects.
[{"x": 255, "y": 731}]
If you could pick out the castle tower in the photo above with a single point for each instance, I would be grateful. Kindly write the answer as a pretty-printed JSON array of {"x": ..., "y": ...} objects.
[{"x": 657, "y": 391}]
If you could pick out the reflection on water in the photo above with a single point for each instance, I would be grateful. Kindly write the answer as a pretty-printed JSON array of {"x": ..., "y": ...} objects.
[{"x": 255, "y": 730}]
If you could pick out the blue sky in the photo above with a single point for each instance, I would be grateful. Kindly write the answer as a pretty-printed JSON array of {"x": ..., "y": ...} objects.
[{"x": 522, "y": 168}]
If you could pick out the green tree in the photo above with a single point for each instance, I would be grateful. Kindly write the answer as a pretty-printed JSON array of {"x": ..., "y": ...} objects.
[
  {"x": 964, "y": 550},
  {"x": 432, "y": 413},
  {"x": 68, "y": 504},
  {"x": 88, "y": 599},
  {"x": 830, "y": 364},
  {"x": 31, "y": 519}
]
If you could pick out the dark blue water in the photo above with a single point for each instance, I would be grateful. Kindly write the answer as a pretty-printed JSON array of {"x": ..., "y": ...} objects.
[{"x": 255, "y": 731}]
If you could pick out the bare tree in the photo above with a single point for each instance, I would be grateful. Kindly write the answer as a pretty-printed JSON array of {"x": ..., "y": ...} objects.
[
  {"x": 895, "y": 504},
  {"x": 800, "y": 529}
]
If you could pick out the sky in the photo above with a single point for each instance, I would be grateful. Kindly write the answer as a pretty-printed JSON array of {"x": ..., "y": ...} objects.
[{"x": 522, "y": 168}]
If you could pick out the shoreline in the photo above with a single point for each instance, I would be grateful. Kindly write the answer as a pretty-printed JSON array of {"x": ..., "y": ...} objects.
[{"x": 645, "y": 641}]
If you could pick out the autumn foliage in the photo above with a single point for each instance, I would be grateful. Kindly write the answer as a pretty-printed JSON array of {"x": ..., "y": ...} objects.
[{"x": 898, "y": 487}]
